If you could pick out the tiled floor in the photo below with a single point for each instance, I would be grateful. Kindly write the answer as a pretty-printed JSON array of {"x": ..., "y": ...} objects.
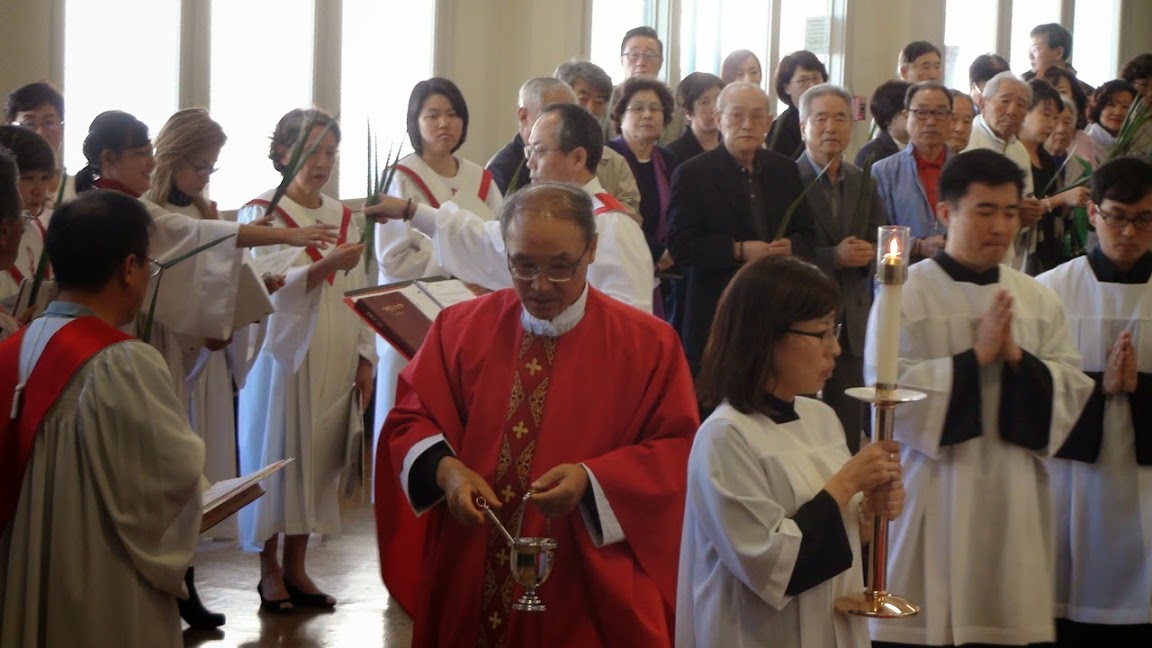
[{"x": 346, "y": 567}]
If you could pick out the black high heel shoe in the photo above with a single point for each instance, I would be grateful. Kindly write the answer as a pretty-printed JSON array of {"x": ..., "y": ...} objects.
[
  {"x": 277, "y": 606},
  {"x": 319, "y": 600},
  {"x": 193, "y": 611}
]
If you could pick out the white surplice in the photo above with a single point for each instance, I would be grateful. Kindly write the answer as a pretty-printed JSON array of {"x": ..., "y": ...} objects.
[
  {"x": 109, "y": 512},
  {"x": 1104, "y": 509},
  {"x": 974, "y": 545},
  {"x": 295, "y": 402},
  {"x": 403, "y": 253},
  {"x": 747, "y": 476},
  {"x": 472, "y": 250},
  {"x": 27, "y": 260}
]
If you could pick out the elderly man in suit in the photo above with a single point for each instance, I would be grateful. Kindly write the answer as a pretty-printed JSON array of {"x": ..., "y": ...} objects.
[
  {"x": 727, "y": 209},
  {"x": 846, "y": 210}
]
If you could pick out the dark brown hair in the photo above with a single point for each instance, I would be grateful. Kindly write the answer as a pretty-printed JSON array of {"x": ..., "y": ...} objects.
[
  {"x": 288, "y": 130},
  {"x": 787, "y": 69},
  {"x": 640, "y": 84},
  {"x": 733, "y": 62},
  {"x": 760, "y": 304}
]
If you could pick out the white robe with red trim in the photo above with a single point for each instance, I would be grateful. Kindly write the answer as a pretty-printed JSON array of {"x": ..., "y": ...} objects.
[
  {"x": 296, "y": 400},
  {"x": 27, "y": 259},
  {"x": 403, "y": 253}
]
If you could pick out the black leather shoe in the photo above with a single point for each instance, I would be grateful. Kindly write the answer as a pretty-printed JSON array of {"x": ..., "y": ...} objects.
[
  {"x": 277, "y": 606},
  {"x": 193, "y": 611},
  {"x": 320, "y": 600}
]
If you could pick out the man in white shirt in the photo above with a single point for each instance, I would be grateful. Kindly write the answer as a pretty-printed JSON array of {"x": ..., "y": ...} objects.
[{"x": 564, "y": 146}]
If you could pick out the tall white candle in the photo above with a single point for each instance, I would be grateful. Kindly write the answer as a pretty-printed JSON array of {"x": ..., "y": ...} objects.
[{"x": 891, "y": 272}]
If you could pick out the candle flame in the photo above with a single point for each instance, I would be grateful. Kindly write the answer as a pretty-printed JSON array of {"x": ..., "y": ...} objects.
[{"x": 894, "y": 248}]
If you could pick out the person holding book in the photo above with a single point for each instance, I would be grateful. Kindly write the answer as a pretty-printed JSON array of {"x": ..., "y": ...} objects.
[
  {"x": 565, "y": 146},
  {"x": 314, "y": 371},
  {"x": 100, "y": 516},
  {"x": 37, "y": 165},
  {"x": 519, "y": 392},
  {"x": 11, "y": 227}
]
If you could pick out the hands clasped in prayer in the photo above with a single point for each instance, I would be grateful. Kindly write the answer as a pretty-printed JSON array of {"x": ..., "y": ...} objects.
[
  {"x": 559, "y": 490},
  {"x": 754, "y": 250},
  {"x": 1120, "y": 371},
  {"x": 994, "y": 337},
  {"x": 853, "y": 252}
]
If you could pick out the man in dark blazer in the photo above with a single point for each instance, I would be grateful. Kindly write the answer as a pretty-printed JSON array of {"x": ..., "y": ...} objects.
[
  {"x": 847, "y": 213},
  {"x": 726, "y": 208}
]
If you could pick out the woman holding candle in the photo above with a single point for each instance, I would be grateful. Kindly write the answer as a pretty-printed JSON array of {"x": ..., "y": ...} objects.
[{"x": 772, "y": 525}]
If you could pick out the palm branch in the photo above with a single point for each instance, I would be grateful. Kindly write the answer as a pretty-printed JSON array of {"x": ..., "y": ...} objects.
[
  {"x": 145, "y": 334},
  {"x": 784, "y": 222}
]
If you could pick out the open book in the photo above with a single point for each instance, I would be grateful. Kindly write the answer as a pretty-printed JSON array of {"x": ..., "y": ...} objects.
[
  {"x": 227, "y": 496},
  {"x": 403, "y": 312},
  {"x": 48, "y": 292}
]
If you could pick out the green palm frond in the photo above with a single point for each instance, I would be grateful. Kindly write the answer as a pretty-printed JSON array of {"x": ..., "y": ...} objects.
[
  {"x": 145, "y": 334},
  {"x": 784, "y": 222}
]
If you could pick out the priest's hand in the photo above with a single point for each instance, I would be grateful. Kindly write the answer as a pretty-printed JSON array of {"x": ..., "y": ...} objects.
[
  {"x": 389, "y": 207},
  {"x": 1031, "y": 209},
  {"x": 876, "y": 463},
  {"x": 461, "y": 487},
  {"x": 562, "y": 487},
  {"x": 854, "y": 253},
  {"x": 994, "y": 332},
  {"x": 318, "y": 235},
  {"x": 1120, "y": 368},
  {"x": 886, "y": 500}
]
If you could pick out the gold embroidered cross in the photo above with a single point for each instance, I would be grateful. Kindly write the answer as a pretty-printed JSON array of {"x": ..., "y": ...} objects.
[
  {"x": 533, "y": 367},
  {"x": 520, "y": 429},
  {"x": 508, "y": 493},
  {"x": 502, "y": 557},
  {"x": 494, "y": 620}
]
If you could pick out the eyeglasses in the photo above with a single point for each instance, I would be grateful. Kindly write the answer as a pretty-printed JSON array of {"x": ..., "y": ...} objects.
[
  {"x": 537, "y": 151},
  {"x": 554, "y": 274},
  {"x": 636, "y": 57},
  {"x": 47, "y": 124},
  {"x": 157, "y": 268},
  {"x": 203, "y": 170},
  {"x": 923, "y": 114},
  {"x": 656, "y": 109},
  {"x": 1119, "y": 221},
  {"x": 827, "y": 336}
]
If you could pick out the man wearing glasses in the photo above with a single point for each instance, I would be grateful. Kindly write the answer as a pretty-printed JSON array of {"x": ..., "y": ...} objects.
[
  {"x": 908, "y": 180},
  {"x": 555, "y": 390},
  {"x": 39, "y": 107},
  {"x": 564, "y": 146},
  {"x": 1102, "y": 476}
]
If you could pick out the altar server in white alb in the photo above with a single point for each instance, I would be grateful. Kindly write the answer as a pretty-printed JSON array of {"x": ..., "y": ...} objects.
[
  {"x": 990, "y": 347},
  {"x": 36, "y": 162},
  {"x": 297, "y": 401},
  {"x": 773, "y": 518},
  {"x": 100, "y": 512},
  {"x": 433, "y": 175},
  {"x": 565, "y": 146},
  {"x": 1102, "y": 476}
]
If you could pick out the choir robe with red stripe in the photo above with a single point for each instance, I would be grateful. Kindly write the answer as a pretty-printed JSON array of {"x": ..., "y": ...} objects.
[
  {"x": 296, "y": 400},
  {"x": 24, "y": 267},
  {"x": 402, "y": 253},
  {"x": 621, "y": 402}
]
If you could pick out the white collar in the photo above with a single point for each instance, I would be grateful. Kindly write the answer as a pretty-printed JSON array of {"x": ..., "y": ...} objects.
[
  {"x": 593, "y": 187},
  {"x": 559, "y": 325},
  {"x": 983, "y": 124}
]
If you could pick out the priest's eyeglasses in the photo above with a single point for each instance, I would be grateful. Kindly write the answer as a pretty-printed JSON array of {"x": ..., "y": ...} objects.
[
  {"x": 1118, "y": 221},
  {"x": 554, "y": 274},
  {"x": 156, "y": 267},
  {"x": 827, "y": 336}
]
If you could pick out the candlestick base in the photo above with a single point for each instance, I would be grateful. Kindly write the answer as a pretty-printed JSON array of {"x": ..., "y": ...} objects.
[{"x": 877, "y": 605}]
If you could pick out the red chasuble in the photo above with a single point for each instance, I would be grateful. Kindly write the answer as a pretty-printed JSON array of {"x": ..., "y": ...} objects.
[
  {"x": 71, "y": 348},
  {"x": 619, "y": 400}
]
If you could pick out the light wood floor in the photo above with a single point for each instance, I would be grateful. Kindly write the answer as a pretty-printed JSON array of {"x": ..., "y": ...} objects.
[{"x": 346, "y": 567}]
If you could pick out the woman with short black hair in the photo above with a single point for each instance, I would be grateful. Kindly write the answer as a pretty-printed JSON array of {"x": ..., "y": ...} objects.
[
  {"x": 696, "y": 97},
  {"x": 796, "y": 73},
  {"x": 1110, "y": 106}
]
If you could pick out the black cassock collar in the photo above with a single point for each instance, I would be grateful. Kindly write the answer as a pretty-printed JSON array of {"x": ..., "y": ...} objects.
[
  {"x": 964, "y": 274},
  {"x": 1107, "y": 272}
]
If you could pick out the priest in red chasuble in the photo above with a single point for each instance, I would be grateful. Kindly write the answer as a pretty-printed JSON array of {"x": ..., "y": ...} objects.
[{"x": 554, "y": 388}]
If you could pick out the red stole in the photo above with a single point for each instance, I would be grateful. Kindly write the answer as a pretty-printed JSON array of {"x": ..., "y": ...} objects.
[
  {"x": 290, "y": 222},
  {"x": 631, "y": 425},
  {"x": 609, "y": 203},
  {"x": 67, "y": 351},
  {"x": 105, "y": 183}
]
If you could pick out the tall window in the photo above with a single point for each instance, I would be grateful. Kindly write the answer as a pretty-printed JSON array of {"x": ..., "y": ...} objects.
[
  {"x": 1026, "y": 15},
  {"x": 138, "y": 35},
  {"x": 804, "y": 25},
  {"x": 371, "y": 88},
  {"x": 966, "y": 35},
  {"x": 712, "y": 29},
  {"x": 611, "y": 19},
  {"x": 1094, "y": 36},
  {"x": 261, "y": 67}
]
